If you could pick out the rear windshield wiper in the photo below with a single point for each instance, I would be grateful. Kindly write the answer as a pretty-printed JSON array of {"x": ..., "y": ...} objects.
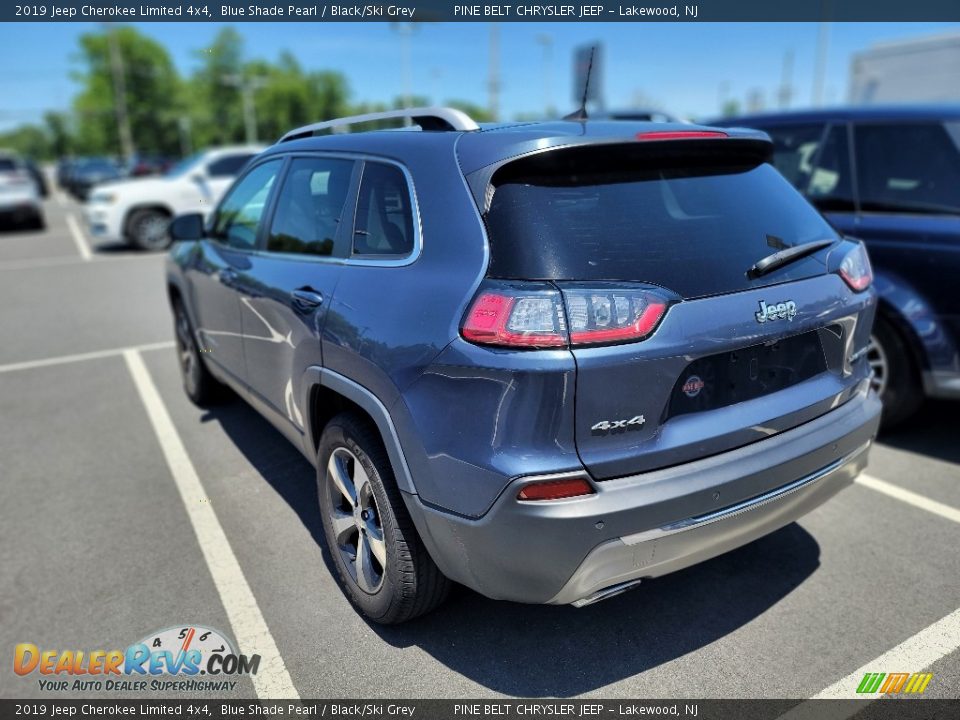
[{"x": 785, "y": 257}]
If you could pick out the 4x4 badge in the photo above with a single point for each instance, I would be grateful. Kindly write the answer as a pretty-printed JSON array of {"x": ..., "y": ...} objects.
[
  {"x": 781, "y": 311},
  {"x": 607, "y": 425}
]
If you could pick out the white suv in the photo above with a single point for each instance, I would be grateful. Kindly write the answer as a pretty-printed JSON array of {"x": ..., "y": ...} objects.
[{"x": 139, "y": 211}]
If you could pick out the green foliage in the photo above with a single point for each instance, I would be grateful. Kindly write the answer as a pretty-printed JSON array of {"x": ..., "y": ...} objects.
[
  {"x": 170, "y": 115},
  {"x": 28, "y": 140},
  {"x": 151, "y": 91}
]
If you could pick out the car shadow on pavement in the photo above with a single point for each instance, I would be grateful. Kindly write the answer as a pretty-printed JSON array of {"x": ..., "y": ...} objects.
[
  {"x": 933, "y": 432},
  {"x": 115, "y": 248},
  {"x": 541, "y": 650},
  {"x": 551, "y": 651}
]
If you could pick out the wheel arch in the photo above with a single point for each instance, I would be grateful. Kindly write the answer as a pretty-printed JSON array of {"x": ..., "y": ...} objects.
[
  {"x": 907, "y": 311},
  {"x": 134, "y": 209},
  {"x": 325, "y": 393}
]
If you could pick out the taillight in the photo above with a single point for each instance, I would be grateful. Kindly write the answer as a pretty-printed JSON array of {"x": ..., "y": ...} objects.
[
  {"x": 555, "y": 489},
  {"x": 855, "y": 268},
  {"x": 512, "y": 315},
  {"x": 600, "y": 314},
  {"x": 541, "y": 315}
]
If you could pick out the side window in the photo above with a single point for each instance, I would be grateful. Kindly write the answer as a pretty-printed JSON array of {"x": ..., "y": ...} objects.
[
  {"x": 794, "y": 149},
  {"x": 228, "y": 165},
  {"x": 908, "y": 166},
  {"x": 384, "y": 220},
  {"x": 310, "y": 205},
  {"x": 239, "y": 215},
  {"x": 830, "y": 186}
]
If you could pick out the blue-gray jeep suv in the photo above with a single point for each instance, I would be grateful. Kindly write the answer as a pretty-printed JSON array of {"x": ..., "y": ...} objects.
[{"x": 543, "y": 360}]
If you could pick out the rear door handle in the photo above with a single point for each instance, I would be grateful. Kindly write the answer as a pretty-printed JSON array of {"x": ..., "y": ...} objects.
[{"x": 306, "y": 299}]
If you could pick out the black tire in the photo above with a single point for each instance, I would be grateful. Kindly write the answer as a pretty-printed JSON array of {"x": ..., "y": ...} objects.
[
  {"x": 901, "y": 390},
  {"x": 149, "y": 229},
  {"x": 38, "y": 222},
  {"x": 409, "y": 584},
  {"x": 200, "y": 386}
]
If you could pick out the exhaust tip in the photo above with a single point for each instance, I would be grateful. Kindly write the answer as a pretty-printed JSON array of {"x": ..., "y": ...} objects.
[{"x": 606, "y": 593}]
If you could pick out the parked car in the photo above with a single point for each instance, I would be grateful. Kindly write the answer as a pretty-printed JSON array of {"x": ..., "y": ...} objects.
[
  {"x": 20, "y": 201},
  {"x": 144, "y": 165},
  {"x": 87, "y": 173},
  {"x": 891, "y": 176},
  {"x": 63, "y": 170},
  {"x": 39, "y": 178},
  {"x": 139, "y": 211},
  {"x": 543, "y": 360}
]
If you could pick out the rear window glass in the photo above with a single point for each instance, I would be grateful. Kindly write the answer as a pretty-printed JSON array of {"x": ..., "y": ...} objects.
[{"x": 692, "y": 228}]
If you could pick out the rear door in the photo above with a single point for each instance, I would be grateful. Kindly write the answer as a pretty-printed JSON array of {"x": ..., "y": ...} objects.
[
  {"x": 223, "y": 265},
  {"x": 736, "y": 357},
  {"x": 288, "y": 289}
]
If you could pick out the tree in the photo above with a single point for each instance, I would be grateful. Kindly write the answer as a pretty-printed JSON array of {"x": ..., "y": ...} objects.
[
  {"x": 151, "y": 89},
  {"x": 213, "y": 94},
  {"x": 28, "y": 140},
  {"x": 288, "y": 97},
  {"x": 58, "y": 131}
]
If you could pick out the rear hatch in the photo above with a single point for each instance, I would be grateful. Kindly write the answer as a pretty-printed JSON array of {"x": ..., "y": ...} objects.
[{"x": 661, "y": 237}]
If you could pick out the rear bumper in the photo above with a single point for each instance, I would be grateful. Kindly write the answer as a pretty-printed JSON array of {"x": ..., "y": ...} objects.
[
  {"x": 647, "y": 525},
  {"x": 663, "y": 550},
  {"x": 943, "y": 384}
]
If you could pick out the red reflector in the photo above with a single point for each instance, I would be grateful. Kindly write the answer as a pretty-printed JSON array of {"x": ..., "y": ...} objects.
[
  {"x": 679, "y": 134},
  {"x": 641, "y": 328},
  {"x": 555, "y": 489}
]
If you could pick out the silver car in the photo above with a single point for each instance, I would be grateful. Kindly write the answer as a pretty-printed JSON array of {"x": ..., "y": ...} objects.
[{"x": 20, "y": 200}]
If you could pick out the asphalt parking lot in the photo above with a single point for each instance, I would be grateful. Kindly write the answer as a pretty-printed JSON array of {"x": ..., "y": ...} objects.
[{"x": 125, "y": 510}]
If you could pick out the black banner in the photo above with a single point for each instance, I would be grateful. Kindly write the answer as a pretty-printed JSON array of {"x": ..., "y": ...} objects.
[
  {"x": 481, "y": 11},
  {"x": 512, "y": 709}
]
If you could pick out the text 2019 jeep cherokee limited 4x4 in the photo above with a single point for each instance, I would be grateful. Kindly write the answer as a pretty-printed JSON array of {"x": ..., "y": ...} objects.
[{"x": 545, "y": 360}]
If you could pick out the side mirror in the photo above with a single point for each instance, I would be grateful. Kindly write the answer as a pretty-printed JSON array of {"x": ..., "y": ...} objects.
[{"x": 187, "y": 227}]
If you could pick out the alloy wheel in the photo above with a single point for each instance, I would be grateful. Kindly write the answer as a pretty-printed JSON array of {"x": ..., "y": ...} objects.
[
  {"x": 152, "y": 231},
  {"x": 879, "y": 365},
  {"x": 355, "y": 517},
  {"x": 187, "y": 353}
]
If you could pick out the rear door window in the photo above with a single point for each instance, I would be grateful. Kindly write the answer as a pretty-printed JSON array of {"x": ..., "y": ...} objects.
[
  {"x": 908, "y": 167},
  {"x": 692, "y": 224},
  {"x": 310, "y": 206},
  {"x": 830, "y": 185},
  {"x": 384, "y": 220},
  {"x": 794, "y": 150}
]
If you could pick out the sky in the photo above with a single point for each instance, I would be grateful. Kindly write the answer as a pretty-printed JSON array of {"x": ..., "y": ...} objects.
[{"x": 684, "y": 68}]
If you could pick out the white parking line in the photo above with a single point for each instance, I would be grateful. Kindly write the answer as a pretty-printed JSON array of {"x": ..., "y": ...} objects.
[
  {"x": 272, "y": 680},
  {"x": 914, "y": 654},
  {"x": 78, "y": 237},
  {"x": 80, "y": 357},
  {"x": 910, "y": 497}
]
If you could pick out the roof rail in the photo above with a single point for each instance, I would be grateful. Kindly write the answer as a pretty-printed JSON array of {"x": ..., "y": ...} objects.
[{"x": 428, "y": 118}]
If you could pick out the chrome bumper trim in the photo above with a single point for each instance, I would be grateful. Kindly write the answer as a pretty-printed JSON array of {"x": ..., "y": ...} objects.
[{"x": 745, "y": 506}]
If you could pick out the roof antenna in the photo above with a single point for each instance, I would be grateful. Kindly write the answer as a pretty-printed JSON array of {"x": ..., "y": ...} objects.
[{"x": 581, "y": 112}]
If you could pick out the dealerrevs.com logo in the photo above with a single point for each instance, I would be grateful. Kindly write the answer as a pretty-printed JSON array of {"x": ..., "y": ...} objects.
[{"x": 183, "y": 652}]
